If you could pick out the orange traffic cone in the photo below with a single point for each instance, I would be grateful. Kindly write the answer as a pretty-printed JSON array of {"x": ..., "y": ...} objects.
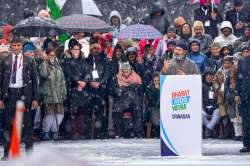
[{"x": 16, "y": 131}]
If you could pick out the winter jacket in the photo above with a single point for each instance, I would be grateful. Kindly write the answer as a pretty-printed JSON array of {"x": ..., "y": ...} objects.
[
  {"x": 225, "y": 40},
  {"x": 213, "y": 63},
  {"x": 209, "y": 103},
  {"x": 101, "y": 66},
  {"x": 197, "y": 57},
  {"x": 153, "y": 104},
  {"x": 233, "y": 16},
  {"x": 205, "y": 41},
  {"x": 230, "y": 93},
  {"x": 149, "y": 69},
  {"x": 53, "y": 86},
  {"x": 125, "y": 97},
  {"x": 159, "y": 22},
  {"x": 210, "y": 24},
  {"x": 243, "y": 79},
  {"x": 114, "y": 29},
  {"x": 238, "y": 42},
  {"x": 188, "y": 66},
  {"x": 218, "y": 83},
  {"x": 77, "y": 71}
]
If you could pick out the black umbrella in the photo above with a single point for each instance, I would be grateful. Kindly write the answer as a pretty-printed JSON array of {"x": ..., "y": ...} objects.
[
  {"x": 37, "y": 27},
  {"x": 83, "y": 23}
]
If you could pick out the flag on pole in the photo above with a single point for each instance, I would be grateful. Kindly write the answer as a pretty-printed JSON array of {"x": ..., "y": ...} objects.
[
  {"x": 17, "y": 130},
  {"x": 55, "y": 7}
]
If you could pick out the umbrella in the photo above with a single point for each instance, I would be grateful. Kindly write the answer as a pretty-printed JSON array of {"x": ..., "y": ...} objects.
[
  {"x": 83, "y": 23},
  {"x": 37, "y": 27},
  {"x": 139, "y": 31},
  {"x": 87, "y": 7}
]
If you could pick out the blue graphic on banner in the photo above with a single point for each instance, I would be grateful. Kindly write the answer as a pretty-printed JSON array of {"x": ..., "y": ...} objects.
[{"x": 165, "y": 150}]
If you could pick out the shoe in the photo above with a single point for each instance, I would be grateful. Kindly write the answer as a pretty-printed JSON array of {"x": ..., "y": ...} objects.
[
  {"x": 45, "y": 137},
  {"x": 245, "y": 150},
  {"x": 54, "y": 136},
  {"x": 237, "y": 138},
  {"x": 208, "y": 133},
  {"x": 5, "y": 158}
]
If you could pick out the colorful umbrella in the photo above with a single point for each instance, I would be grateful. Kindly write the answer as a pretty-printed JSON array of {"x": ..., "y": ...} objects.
[
  {"x": 139, "y": 31},
  {"x": 83, "y": 23},
  {"x": 37, "y": 27}
]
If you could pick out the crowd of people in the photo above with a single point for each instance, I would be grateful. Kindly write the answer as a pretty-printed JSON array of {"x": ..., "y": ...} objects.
[{"x": 96, "y": 86}]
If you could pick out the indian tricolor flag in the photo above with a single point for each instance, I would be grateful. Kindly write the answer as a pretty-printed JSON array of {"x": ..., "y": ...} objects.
[{"x": 55, "y": 7}]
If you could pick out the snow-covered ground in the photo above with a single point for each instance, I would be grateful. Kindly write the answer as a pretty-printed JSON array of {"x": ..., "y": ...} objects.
[{"x": 132, "y": 152}]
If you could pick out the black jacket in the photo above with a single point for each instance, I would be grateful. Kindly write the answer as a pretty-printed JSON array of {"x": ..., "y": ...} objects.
[
  {"x": 213, "y": 63},
  {"x": 30, "y": 78},
  {"x": 243, "y": 79},
  {"x": 78, "y": 71},
  {"x": 102, "y": 67},
  {"x": 208, "y": 105},
  {"x": 125, "y": 97}
]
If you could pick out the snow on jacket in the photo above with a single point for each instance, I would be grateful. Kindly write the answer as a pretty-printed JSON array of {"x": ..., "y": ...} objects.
[
  {"x": 222, "y": 39},
  {"x": 116, "y": 30}
]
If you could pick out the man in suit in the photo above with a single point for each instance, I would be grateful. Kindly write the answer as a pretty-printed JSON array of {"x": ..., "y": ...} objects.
[
  {"x": 18, "y": 81},
  {"x": 242, "y": 97}
]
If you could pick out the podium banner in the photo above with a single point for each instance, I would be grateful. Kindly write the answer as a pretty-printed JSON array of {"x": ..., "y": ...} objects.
[{"x": 181, "y": 121}]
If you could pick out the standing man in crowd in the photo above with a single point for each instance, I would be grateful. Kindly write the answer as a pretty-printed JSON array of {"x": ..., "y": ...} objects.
[
  {"x": 157, "y": 18},
  {"x": 239, "y": 17},
  {"x": 209, "y": 16},
  {"x": 242, "y": 97},
  {"x": 18, "y": 82}
]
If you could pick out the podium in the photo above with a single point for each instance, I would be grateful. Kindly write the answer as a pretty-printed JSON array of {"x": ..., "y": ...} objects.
[{"x": 181, "y": 115}]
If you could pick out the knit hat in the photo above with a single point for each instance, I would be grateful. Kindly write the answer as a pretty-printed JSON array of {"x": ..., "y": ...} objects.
[
  {"x": 216, "y": 45},
  {"x": 238, "y": 3},
  {"x": 182, "y": 45},
  {"x": 171, "y": 42},
  {"x": 209, "y": 70},
  {"x": 229, "y": 58},
  {"x": 171, "y": 29},
  {"x": 29, "y": 47},
  {"x": 244, "y": 46},
  {"x": 125, "y": 66},
  {"x": 229, "y": 46},
  {"x": 194, "y": 41},
  {"x": 132, "y": 50}
]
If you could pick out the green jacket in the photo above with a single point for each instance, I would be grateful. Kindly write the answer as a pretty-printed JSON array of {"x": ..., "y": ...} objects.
[{"x": 53, "y": 87}]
